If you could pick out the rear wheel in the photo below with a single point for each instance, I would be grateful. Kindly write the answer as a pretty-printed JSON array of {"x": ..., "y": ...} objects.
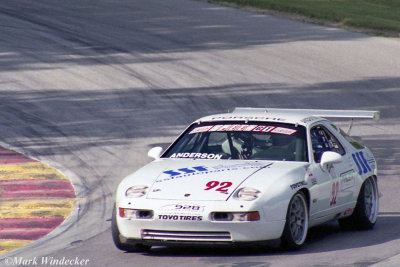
[
  {"x": 366, "y": 212},
  {"x": 296, "y": 226},
  {"x": 117, "y": 238}
]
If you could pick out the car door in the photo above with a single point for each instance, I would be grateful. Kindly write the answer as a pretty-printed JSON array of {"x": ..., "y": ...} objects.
[
  {"x": 328, "y": 199},
  {"x": 347, "y": 171}
]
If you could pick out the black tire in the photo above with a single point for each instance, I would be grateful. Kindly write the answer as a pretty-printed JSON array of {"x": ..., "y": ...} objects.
[
  {"x": 366, "y": 211},
  {"x": 296, "y": 226},
  {"x": 117, "y": 239}
]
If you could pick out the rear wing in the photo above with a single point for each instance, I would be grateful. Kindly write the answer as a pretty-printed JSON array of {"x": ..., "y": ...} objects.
[{"x": 364, "y": 114}]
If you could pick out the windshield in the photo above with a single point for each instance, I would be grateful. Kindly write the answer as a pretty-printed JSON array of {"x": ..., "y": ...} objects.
[{"x": 238, "y": 140}]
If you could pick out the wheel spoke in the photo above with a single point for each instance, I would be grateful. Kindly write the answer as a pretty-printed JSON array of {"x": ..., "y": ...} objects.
[
  {"x": 297, "y": 219},
  {"x": 370, "y": 199}
]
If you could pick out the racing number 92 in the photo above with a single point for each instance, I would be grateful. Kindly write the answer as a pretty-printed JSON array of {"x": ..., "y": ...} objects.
[
  {"x": 222, "y": 187},
  {"x": 335, "y": 191}
]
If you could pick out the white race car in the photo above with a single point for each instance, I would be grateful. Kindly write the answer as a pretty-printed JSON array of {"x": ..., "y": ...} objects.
[{"x": 247, "y": 176}]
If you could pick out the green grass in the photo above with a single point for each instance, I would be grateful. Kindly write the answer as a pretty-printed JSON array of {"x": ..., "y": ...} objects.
[{"x": 379, "y": 16}]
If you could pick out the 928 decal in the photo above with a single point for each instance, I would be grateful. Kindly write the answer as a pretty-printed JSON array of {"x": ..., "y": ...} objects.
[
  {"x": 182, "y": 209},
  {"x": 186, "y": 207},
  {"x": 221, "y": 187}
]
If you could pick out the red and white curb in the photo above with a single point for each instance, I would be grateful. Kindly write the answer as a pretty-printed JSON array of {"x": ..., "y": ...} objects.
[{"x": 34, "y": 199}]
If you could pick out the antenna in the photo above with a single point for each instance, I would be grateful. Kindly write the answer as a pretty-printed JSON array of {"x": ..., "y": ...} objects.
[{"x": 351, "y": 125}]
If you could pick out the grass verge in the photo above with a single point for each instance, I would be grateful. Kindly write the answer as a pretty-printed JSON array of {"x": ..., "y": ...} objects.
[{"x": 380, "y": 17}]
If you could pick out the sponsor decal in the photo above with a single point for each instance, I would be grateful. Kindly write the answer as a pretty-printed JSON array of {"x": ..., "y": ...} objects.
[
  {"x": 196, "y": 155},
  {"x": 348, "y": 211},
  {"x": 243, "y": 128},
  {"x": 282, "y": 130},
  {"x": 201, "y": 129},
  {"x": 182, "y": 209},
  {"x": 309, "y": 119},
  {"x": 297, "y": 185},
  {"x": 259, "y": 128},
  {"x": 225, "y": 128},
  {"x": 370, "y": 159},
  {"x": 262, "y": 118},
  {"x": 347, "y": 180},
  {"x": 308, "y": 172},
  {"x": 167, "y": 217},
  {"x": 268, "y": 129},
  {"x": 241, "y": 166},
  {"x": 185, "y": 172},
  {"x": 215, "y": 128}
]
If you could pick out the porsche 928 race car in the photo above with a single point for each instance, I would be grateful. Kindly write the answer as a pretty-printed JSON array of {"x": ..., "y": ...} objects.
[{"x": 247, "y": 176}]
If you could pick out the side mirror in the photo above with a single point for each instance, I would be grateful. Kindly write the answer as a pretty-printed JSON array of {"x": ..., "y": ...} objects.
[
  {"x": 155, "y": 152},
  {"x": 329, "y": 157}
]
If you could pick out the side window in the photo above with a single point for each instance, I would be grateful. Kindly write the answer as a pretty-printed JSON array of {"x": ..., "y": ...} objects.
[
  {"x": 353, "y": 142},
  {"x": 322, "y": 141}
]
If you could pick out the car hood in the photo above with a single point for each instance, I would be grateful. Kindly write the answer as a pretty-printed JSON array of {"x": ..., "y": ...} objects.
[{"x": 186, "y": 179}]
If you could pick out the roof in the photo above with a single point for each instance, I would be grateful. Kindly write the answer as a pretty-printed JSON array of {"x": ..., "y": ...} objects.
[{"x": 294, "y": 116}]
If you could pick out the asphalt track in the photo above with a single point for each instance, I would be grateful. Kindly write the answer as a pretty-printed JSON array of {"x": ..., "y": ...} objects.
[{"x": 90, "y": 86}]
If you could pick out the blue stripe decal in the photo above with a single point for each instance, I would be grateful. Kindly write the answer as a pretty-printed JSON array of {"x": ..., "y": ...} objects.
[
  {"x": 361, "y": 162},
  {"x": 172, "y": 173},
  {"x": 358, "y": 165},
  {"x": 365, "y": 161}
]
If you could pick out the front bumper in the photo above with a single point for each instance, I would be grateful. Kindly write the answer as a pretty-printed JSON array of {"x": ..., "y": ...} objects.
[{"x": 170, "y": 226}]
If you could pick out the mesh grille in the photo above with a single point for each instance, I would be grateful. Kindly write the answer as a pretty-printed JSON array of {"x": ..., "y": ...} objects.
[{"x": 156, "y": 235}]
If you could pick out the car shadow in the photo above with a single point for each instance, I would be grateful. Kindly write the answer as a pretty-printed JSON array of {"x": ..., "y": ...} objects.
[{"x": 323, "y": 238}]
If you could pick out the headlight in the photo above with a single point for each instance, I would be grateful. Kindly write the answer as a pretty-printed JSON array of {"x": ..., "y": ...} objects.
[
  {"x": 247, "y": 194},
  {"x": 136, "y": 214},
  {"x": 136, "y": 191},
  {"x": 235, "y": 216}
]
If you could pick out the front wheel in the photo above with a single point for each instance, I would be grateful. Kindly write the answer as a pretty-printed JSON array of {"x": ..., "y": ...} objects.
[
  {"x": 296, "y": 226},
  {"x": 366, "y": 212},
  {"x": 117, "y": 238}
]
